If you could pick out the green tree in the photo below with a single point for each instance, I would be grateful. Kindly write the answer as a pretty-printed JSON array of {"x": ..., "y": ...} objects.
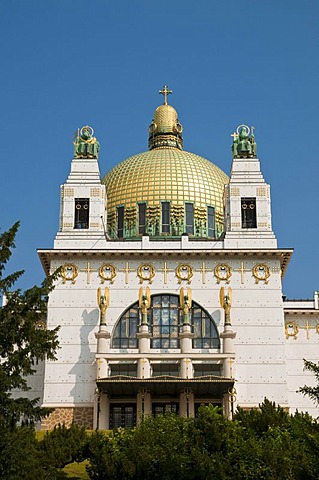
[
  {"x": 24, "y": 340},
  {"x": 312, "y": 392}
]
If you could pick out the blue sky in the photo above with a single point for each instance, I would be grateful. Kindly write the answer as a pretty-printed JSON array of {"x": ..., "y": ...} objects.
[{"x": 65, "y": 64}]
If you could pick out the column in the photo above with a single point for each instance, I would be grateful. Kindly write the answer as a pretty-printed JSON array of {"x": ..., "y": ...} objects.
[
  {"x": 186, "y": 403},
  {"x": 186, "y": 336},
  {"x": 143, "y": 405},
  {"x": 101, "y": 411}
]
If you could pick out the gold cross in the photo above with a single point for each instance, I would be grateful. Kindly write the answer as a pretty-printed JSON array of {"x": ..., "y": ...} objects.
[
  {"x": 126, "y": 270},
  {"x": 307, "y": 327},
  {"x": 242, "y": 270},
  {"x": 165, "y": 270},
  {"x": 88, "y": 270},
  {"x": 234, "y": 135},
  {"x": 165, "y": 91},
  {"x": 203, "y": 271}
]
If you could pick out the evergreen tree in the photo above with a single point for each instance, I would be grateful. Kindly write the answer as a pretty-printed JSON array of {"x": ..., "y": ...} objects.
[
  {"x": 312, "y": 392},
  {"x": 24, "y": 339}
]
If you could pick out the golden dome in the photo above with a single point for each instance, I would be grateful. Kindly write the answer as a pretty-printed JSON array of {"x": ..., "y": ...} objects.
[{"x": 166, "y": 174}]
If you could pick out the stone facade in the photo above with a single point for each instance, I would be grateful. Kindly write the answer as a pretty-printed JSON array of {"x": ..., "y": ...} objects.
[{"x": 82, "y": 416}]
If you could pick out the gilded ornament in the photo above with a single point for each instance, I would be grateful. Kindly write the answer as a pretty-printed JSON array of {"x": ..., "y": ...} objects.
[
  {"x": 144, "y": 302},
  {"x": 291, "y": 329},
  {"x": 222, "y": 272},
  {"x": 107, "y": 272},
  {"x": 232, "y": 392},
  {"x": 146, "y": 272},
  {"x": 225, "y": 300},
  {"x": 184, "y": 272},
  {"x": 185, "y": 303},
  {"x": 69, "y": 272},
  {"x": 317, "y": 328},
  {"x": 261, "y": 272},
  {"x": 103, "y": 301}
]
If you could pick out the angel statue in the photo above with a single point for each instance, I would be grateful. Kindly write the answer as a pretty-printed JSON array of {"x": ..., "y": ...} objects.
[
  {"x": 225, "y": 303},
  {"x": 103, "y": 301},
  {"x": 144, "y": 303},
  {"x": 185, "y": 301}
]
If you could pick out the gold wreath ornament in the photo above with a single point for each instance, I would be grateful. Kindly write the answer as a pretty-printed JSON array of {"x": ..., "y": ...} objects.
[
  {"x": 107, "y": 272},
  {"x": 184, "y": 272},
  {"x": 146, "y": 272},
  {"x": 291, "y": 329},
  {"x": 69, "y": 272},
  {"x": 222, "y": 272},
  {"x": 261, "y": 272}
]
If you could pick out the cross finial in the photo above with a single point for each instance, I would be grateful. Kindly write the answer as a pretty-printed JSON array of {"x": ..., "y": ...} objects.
[{"x": 165, "y": 91}]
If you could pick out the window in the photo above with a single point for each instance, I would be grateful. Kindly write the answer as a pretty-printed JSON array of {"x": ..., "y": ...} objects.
[
  {"x": 204, "y": 369},
  {"x": 164, "y": 321},
  {"x": 81, "y": 213},
  {"x": 160, "y": 369},
  {"x": 165, "y": 217},
  {"x": 126, "y": 329},
  {"x": 164, "y": 318},
  {"x": 122, "y": 416},
  {"x": 248, "y": 213},
  {"x": 205, "y": 332},
  {"x": 211, "y": 222},
  {"x": 120, "y": 222},
  {"x": 128, "y": 369},
  {"x": 142, "y": 218},
  {"x": 189, "y": 218},
  {"x": 162, "y": 408}
]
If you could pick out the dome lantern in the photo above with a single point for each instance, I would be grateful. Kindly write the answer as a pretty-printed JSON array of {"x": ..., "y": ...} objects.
[{"x": 165, "y": 129}]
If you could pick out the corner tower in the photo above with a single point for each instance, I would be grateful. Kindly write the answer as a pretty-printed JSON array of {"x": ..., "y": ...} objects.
[
  {"x": 247, "y": 197},
  {"x": 83, "y": 196}
]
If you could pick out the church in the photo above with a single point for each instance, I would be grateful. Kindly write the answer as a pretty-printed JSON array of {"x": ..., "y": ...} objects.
[{"x": 170, "y": 292}]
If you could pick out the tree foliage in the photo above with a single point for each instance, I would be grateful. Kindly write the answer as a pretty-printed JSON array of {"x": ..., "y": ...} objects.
[
  {"x": 265, "y": 443},
  {"x": 312, "y": 392},
  {"x": 24, "y": 340}
]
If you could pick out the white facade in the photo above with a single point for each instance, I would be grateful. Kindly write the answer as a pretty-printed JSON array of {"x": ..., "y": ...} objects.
[{"x": 259, "y": 355}]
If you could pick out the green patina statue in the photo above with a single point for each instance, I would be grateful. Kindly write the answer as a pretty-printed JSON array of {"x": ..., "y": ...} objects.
[
  {"x": 85, "y": 144},
  {"x": 244, "y": 145}
]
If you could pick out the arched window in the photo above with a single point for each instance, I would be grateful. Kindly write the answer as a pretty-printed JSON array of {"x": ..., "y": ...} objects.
[{"x": 164, "y": 318}]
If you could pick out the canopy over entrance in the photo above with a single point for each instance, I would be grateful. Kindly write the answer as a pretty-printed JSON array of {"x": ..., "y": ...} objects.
[{"x": 165, "y": 385}]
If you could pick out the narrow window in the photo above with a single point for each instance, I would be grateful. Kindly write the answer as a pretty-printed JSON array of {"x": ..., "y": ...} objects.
[
  {"x": 211, "y": 221},
  {"x": 142, "y": 218},
  {"x": 81, "y": 213},
  {"x": 165, "y": 217},
  {"x": 248, "y": 213},
  {"x": 120, "y": 222},
  {"x": 189, "y": 217}
]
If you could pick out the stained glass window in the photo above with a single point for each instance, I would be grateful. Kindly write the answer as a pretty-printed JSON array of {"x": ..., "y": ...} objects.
[
  {"x": 120, "y": 222},
  {"x": 142, "y": 218},
  {"x": 165, "y": 217},
  {"x": 164, "y": 318},
  {"x": 211, "y": 221}
]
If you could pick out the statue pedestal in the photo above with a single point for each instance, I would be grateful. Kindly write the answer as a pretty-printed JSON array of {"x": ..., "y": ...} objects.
[
  {"x": 144, "y": 339},
  {"x": 103, "y": 339},
  {"x": 228, "y": 337},
  {"x": 186, "y": 337}
]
